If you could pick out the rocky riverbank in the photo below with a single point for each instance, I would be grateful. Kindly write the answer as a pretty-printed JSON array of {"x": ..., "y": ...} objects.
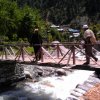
[{"x": 51, "y": 81}]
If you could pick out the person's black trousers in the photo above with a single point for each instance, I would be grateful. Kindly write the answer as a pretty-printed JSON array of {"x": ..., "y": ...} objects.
[{"x": 37, "y": 51}]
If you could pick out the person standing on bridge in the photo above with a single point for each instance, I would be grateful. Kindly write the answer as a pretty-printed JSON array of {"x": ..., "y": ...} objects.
[
  {"x": 89, "y": 39},
  {"x": 36, "y": 42}
]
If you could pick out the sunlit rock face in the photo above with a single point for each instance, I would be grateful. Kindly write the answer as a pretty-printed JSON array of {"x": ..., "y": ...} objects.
[
  {"x": 60, "y": 72},
  {"x": 10, "y": 72}
]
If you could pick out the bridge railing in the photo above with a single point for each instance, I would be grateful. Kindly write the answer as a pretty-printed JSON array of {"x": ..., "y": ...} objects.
[{"x": 8, "y": 51}]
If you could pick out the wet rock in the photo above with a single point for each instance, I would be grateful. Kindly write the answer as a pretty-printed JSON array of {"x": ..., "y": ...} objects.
[
  {"x": 72, "y": 97},
  {"x": 60, "y": 72},
  {"x": 79, "y": 90},
  {"x": 76, "y": 94},
  {"x": 10, "y": 73},
  {"x": 46, "y": 83},
  {"x": 7, "y": 97},
  {"x": 83, "y": 87},
  {"x": 28, "y": 74},
  {"x": 40, "y": 73},
  {"x": 94, "y": 79},
  {"x": 97, "y": 73}
]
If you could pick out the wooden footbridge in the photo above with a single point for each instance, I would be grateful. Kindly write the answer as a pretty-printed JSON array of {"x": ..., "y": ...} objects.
[{"x": 56, "y": 52}]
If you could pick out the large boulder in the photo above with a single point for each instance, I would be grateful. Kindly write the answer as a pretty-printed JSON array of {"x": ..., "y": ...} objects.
[{"x": 10, "y": 72}]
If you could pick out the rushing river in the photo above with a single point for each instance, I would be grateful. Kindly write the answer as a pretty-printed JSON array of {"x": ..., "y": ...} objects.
[{"x": 47, "y": 88}]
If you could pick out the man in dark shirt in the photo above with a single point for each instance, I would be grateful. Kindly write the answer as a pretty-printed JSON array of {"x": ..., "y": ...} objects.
[{"x": 36, "y": 42}]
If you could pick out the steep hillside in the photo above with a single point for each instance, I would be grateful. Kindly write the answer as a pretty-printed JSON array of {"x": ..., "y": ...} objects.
[{"x": 64, "y": 11}]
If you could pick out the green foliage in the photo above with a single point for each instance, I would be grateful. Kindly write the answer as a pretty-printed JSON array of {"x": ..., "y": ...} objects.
[
  {"x": 8, "y": 18},
  {"x": 18, "y": 22},
  {"x": 56, "y": 35},
  {"x": 30, "y": 50},
  {"x": 29, "y": 21}
]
